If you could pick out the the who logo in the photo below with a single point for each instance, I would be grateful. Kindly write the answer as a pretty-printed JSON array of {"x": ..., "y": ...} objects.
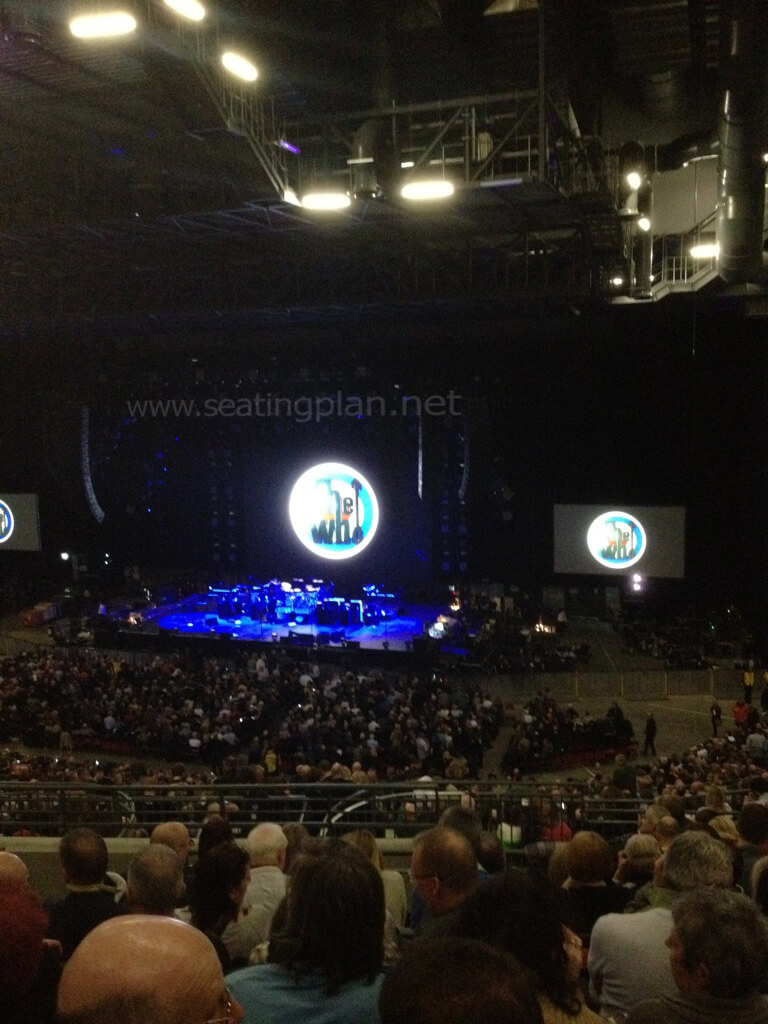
[
  {"x": 334, "y": 511},
  {"x": 6, "y": 521},
  {"x": 616, "y": 540}
]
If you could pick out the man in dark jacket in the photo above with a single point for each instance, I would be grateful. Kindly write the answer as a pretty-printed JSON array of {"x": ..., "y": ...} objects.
[
  {"x": 649, "y": 746},
  {"x": 84, "y": 858}
]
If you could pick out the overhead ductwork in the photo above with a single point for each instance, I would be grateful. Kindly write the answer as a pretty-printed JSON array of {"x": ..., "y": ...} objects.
[
  {"x": 685, "y": 149},
  {"x": 362, "y": 163},
  {"x": 741, "y": 136}
]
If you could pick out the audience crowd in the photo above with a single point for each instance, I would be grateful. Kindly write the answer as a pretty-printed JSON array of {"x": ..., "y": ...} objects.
[
  {"x": 658, "y": 918},
  {"x": 283, "y": 717}
]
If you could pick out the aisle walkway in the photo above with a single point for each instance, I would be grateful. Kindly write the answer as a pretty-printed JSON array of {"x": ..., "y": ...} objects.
[{"x": 682, "y": 722}]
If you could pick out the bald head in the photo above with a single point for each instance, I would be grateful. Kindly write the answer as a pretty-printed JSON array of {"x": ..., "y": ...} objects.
[
  {"x": 135, "y": 969},
  {"x": 13, "y": 870},
  {"x": 173, "y": 834}
]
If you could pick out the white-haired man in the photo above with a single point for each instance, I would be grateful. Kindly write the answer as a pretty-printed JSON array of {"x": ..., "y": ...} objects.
[{"x": 266, "y": 844}]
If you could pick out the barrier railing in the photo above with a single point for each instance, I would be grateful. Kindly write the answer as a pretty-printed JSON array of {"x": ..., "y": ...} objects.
[{"x": 513, "y": 810}]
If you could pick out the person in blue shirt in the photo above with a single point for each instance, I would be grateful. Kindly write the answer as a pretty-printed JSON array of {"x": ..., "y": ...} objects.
[{"x": 326, "y": 946}]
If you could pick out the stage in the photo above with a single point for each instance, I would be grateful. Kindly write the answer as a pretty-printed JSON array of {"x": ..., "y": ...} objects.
[{"x": 303, "y": 614}]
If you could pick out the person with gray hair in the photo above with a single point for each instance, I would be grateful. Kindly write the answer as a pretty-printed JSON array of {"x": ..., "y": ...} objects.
[
  {"x": 718, "y": 956},
  {"x": 627, "y": 959},
  {"x": 155, "y": 881},
  {"x": 266, "y": 845}
]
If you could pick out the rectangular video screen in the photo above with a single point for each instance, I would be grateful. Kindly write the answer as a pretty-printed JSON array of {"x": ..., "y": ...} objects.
[
  {"x": 19, "y": 522},
  {"x": 610, "y": 540}
]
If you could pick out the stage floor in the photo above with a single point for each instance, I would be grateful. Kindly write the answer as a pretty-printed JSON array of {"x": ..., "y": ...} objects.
[{"x": 396, "y": 633}]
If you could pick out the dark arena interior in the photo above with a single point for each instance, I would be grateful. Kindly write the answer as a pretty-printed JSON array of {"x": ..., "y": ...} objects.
[{"x": 333, "y": 501}]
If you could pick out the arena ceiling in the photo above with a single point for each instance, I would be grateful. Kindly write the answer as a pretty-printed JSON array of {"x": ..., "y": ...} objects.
[{"x": 132, "y": 186}]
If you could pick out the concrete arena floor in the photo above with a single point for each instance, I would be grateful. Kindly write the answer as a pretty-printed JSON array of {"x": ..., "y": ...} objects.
[{"x": 683, "y": 721}]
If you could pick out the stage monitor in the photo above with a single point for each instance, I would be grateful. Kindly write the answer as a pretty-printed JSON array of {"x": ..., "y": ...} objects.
[
  {"x": 612, "y": 540},
  {"x": 19, "y": 522}
]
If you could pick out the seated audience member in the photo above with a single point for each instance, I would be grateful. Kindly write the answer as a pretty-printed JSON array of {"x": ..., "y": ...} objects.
[
  {"x": 84, "y": 860},
  {"x": 557, "y": 866},
  {"x": 29, "y": 968},
  {"x": 296, "y": 834},
  {"x": 266, "y": 844},
  {"x": 221, "y": 879},
  {"x": 636, "y": 861},
  {"x": 214, "y": 831},
  {"x": 155, "y": 882},
  {"x": 552, "y": 825},
  {"x": 466, "y": 821},
  {"x": 752, "y": 825},
  {"x": 490, "y": 854},
  {"x": 724, "y": 827},
  {"x": 325, "y": 959},
  {"x": 145, "y": 970},
  {"x": 674, "y": 807},
  {"x": 443, "y": 873},
  {"x": 624, "y": 778},
  {"x": 627, "y": 959},
  {"x": 667, "y": 829},
  {"x": 718, "y": 957},
  {"x": 519, "y": 914},
  {"x": 589, "y": 890},
  {"x": 715, "y": 800},
  {"x": 395, "y": 898},
  {"x": 759, "y": 884},
  {"x": 174, "y": 835},
  {"x": 13, "y": 870},
  {"x": 650, "y": 818},
  {"x": 458, "y": 981}
]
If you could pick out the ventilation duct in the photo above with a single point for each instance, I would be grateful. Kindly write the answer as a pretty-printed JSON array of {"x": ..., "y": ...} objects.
[
  {"x": 685, "y": 149},
  {"x": 362, "y": 163},
  {"x": 741, "y": 133},
  {"x": 663, "y": 93}
]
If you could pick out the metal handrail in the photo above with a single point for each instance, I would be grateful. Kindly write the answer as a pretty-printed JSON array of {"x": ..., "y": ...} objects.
[{"x": 393, "y": 810}]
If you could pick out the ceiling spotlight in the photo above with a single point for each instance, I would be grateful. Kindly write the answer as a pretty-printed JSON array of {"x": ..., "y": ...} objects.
[
  {"x": 705, "y": 251},
  {"x": 239, "y": 66},
  {"x": 187, "y": 9},
  {"x": 645, "y": 206},
  {"x": 427, "y": 189},
  {"x": 326, "y": 199},
  {"x": 634, "y": 179},
  {"x": 105, "y": 25}
]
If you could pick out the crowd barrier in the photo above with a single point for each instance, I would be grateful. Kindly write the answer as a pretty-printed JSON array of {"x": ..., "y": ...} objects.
[{"x": 391, "y": 811}]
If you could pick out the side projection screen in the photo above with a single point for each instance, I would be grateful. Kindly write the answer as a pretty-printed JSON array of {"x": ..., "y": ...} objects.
[
  {"x": 19, "y": 523},
  {"x": 611, "y": 540}
]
